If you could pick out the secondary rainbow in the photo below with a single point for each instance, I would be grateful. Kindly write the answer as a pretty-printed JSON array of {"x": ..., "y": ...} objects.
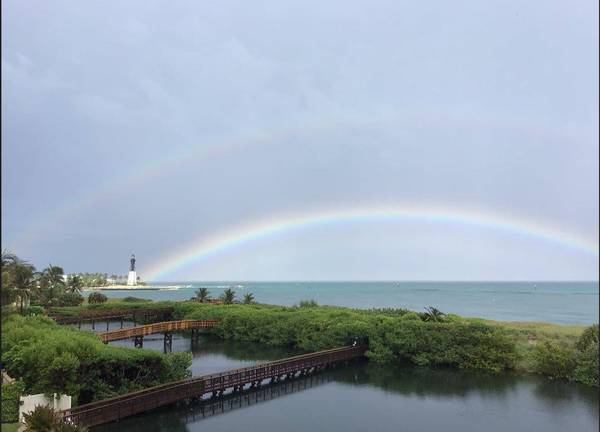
[
  {"x": 204, "y": 247},
  {"x": 165, "y": 164}
]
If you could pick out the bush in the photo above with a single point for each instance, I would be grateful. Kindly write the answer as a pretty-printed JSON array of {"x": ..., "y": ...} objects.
[
  {"x": 135, "y": 300},
  {"x": 96, "y": 298},
  {"x": 411, "y": 316},
  {"x": 34, "y": 310},
  {"x": 46, "y": 419},
  {"x": 554, "y": 360},
  {"x": 10, "y": 401},
  {"x": 50, "y": 358},
  {"x": 308, "y": 303},
  {"x": 587, "y": 368},
  {"x": 390, "y": 338},
  {"x": 461, "y": 345},
  {"x": 588, "y": 338},
  {"x": 70, "y": 299}
]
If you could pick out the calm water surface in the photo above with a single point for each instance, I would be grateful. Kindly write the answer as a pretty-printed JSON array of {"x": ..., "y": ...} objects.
[
  {"x": 559, "y": 302},
  {"x": 365, "y": 397}
]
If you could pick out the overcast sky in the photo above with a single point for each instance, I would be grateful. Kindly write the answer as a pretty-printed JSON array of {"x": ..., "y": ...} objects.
[{"x": 139, "y": 126}]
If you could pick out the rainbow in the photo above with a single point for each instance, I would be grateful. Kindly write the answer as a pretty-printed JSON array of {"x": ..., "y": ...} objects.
[
  {"x": 204, "y": 247},
  {"x": 148, "y": 170},
  {"x": 202, "y": 151}
]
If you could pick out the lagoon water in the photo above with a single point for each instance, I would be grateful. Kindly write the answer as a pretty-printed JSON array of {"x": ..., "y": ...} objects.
[
  {"x": 367, "y": 397},
  {"x": 558, "y": 302}
]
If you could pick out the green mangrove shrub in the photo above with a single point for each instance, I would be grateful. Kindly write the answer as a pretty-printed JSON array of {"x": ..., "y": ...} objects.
[
  {"x": 404, "y": 338},
  {"x": 49, "y": 358},
  {"x": 96, "y": 297},
  {"x": 70, "y": 299},
  {"x": 587, "y": 368},
  {"x": 554, "y": 360},
  {"x": 10, "y": 401}
]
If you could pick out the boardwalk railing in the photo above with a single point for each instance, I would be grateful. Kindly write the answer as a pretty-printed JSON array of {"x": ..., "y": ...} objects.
[
  {"x": 161, "y": 327},
  {"x": 254, "y": 396},
  {"x": 119, "y": 407}
]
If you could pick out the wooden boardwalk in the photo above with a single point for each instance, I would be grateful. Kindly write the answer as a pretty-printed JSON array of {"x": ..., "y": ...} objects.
[
  {"x": 230, "y": 402},
  {"x": 119, "y": 407},
  {"x": 162, "y": 327}
]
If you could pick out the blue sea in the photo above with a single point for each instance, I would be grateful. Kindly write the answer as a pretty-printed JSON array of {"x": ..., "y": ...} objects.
[{"x": 558, "y": 302}]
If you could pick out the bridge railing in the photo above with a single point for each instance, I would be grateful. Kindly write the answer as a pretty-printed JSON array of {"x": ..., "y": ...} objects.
[
  {"x": 132, "y": 403},
  {"x": 148, "y": 329}
]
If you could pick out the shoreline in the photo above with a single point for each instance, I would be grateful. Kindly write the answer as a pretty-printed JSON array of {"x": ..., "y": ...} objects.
[{"x": 130, "y": 288}]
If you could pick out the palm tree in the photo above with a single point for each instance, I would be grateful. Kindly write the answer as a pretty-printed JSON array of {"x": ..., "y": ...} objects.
[
  {"x": 52, "y": 275},
  {"x": 46, "y": 419},
  {"x": 202, "y": 295},
  {"x": 51, "y": 285},
  {"x": 433, "y": 314},
  {"x": 248, "y": 298},
  {"x": 24, "y": 282},
  {"x": 49, "y": 296},
  {"x": 8, "y": 259},
  {"x": 8, "y": 292},
  {"x": 74, "y": 284},
  {"x": 228, "y": 296}
]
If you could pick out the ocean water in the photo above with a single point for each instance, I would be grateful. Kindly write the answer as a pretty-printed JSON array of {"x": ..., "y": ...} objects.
[{"x": 558, "y": 302}]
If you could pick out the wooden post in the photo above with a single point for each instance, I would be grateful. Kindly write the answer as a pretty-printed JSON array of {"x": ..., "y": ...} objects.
[
  {"x": 107, "y": 322},
  {"x": 93, "y": 324},
  {"x": 168, "y": 342},
  {"x": 121, "y": 321}
]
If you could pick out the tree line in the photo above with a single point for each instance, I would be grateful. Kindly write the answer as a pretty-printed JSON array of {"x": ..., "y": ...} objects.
[
  {"x": 228, "y": 297},
  {"x": 23, "y": 285}
]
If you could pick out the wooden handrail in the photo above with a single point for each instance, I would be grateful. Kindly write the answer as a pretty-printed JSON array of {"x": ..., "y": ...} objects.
[
  {"x": 111, "y": 409},
  {"x": 148, "y": 329}
]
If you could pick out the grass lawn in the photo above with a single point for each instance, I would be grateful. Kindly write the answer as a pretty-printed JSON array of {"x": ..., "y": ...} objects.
[{"x": 9, "y": 427}]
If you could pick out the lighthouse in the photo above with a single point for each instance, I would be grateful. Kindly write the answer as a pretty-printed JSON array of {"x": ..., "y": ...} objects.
[{"x": 132, "y": 278}]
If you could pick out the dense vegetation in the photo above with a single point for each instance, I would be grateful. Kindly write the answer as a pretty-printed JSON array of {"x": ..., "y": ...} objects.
[
  {"x": 46, "y": 419},
  {"x": 401, "y": 336},
  {"x": 391, "y": 339},
  {"x": 10, "y": 401},
  {"x": 22, "y": 284},
  {"x": 50, "y": 358},
  {"x": 97, "y": 297}
]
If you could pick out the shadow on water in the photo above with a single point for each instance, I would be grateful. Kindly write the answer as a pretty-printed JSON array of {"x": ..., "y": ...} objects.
[
  {"x": 177, "y": 417},
  {"x": 244, "y": 351},
  {"x": 561, "y": 395}
]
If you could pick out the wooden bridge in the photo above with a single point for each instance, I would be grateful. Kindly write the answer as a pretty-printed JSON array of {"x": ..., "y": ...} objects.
[
  {"x": 167, "y": 327},
  {"x": 216, "y": 406},
  {"x": 119, "y": 407}
]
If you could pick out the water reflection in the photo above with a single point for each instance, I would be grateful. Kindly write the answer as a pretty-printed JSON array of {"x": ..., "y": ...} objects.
[
  {"x": 176, "y": 418},
  {"x": 370, "y": 397}
]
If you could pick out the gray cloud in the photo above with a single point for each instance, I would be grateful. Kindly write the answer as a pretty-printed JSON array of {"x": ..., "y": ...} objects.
[{"x": 469, "y": 105}]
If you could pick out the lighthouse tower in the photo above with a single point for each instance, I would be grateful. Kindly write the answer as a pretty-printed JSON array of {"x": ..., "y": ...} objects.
[{"x": 132, "y": 278}]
